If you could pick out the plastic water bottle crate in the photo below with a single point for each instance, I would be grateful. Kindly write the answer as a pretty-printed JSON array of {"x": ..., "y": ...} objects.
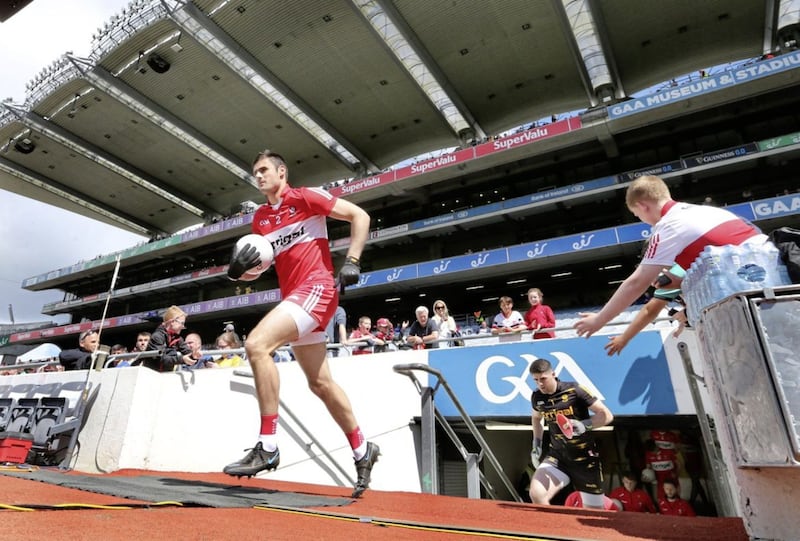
[{"x": 721, "y": 271}]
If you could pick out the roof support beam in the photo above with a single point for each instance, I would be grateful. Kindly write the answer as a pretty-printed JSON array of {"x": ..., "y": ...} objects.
[
  {"x": 31, "y": 177},
  {"x": 89, "y": 151},
  {"x": 206, "y": 32},
  {"x": 391, "y": 28},
  {"x": 103, "y": 80},
  {"x": 427, "y": 60},
  {"x": 577, "y": 18},
  {"x": 788, "y": 26}
]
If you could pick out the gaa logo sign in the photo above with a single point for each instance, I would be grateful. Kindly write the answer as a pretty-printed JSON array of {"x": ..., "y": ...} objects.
[{"x": 500, "y": 380}]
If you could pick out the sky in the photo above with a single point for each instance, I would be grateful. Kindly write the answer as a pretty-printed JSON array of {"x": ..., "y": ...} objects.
[{"x": 31, "y": 40}]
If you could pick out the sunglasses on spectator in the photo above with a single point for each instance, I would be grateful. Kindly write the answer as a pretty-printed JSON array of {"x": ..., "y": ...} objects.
[
  {"x": 439, "y": 307},
  {"x": 84, "y": 334}
]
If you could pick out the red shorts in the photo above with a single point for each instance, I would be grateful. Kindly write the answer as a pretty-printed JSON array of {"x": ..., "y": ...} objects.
[{"x": 318, "y": 298}]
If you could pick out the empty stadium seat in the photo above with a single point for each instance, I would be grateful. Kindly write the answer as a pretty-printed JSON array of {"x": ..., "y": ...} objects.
[
  {"x": 20, "y": 416},
  {"x": 5, "y": 412}
]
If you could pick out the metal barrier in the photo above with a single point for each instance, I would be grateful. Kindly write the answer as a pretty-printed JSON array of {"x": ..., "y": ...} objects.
[{"x": 429, "y": 415}]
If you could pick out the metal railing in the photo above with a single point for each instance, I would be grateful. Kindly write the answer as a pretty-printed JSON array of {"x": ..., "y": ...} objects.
[{"x": 429, "y": 415}]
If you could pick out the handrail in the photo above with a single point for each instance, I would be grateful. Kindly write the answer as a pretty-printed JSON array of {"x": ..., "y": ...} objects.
[
  {"x": 408, "y": 370},
  {"x": 476, "y": 336}
]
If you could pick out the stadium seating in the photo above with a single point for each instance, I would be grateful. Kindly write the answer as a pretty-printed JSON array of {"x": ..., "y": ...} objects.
[{"x": 49, "y": 424}]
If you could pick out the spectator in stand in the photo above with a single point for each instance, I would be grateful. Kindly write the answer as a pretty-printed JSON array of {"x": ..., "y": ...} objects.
[
  {"x": 118, "y": 349},
  {"x": 680, "y": 231},
  {"x": 385, "y": 333},
  {"x": 631, "y": 497},
  {"x": 671, "y": 503},
  {"x": 362, "y": 340},
  {"x": 422, "y": 333},
  {"x": 508, "y": 320},
  {"x": 445, "y": 324},
  {"x": 228, "y": 340},
  {"x": 196, "y": 360},
  {"x": 609, "y": 504},
  {"x": 142, "y": 339},
  {"x": 336, "y": 331},
  {"x": 483, "y": 328},
  {"x": 167, "y": 339},
  {"x": 539, "y": 316},
  {"x": 81, "y": 357}
]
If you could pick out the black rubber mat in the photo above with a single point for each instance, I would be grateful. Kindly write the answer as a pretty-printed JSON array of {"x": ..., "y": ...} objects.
[{"x": 153, "y": 488}]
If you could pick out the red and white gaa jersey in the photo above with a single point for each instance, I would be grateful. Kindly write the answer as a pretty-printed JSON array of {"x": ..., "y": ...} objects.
[
  {"x": 298, "y": 233},
  {"x": 685, "y": 229},
  {"x": 665, "y": 439}
]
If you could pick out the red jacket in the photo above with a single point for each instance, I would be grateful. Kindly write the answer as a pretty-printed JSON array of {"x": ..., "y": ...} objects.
[
  {"x": 541, "y": 314},
  {"x": 677, "y": 507},
  {"x": 637, "y": 500}
]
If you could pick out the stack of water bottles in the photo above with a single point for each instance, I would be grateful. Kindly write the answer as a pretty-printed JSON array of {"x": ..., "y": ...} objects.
[{"x": 720, "y": 271}]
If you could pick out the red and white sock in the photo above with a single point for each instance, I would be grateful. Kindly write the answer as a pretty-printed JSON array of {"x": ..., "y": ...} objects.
[
  {"x": 268, "y": 434},
  {"x": 358, "y": 443}
]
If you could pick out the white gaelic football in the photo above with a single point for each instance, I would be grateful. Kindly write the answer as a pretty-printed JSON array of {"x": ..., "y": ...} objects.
[
  {"x": 648, "y": 476},
  {"x": 265, "y": 253}
]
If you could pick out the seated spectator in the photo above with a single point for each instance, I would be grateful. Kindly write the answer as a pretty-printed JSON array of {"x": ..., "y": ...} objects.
[
  {"x": 167, "y": 340},
  {"x": 196, "y": 360},
  {"x": 81, "y": 357},
  {"x": 631, "y": 497},
  {"x": 539, "y": 316},
  {"x": 575, "y": 500},
  {"x": 422, "y": 333},
  {"x": 483, "y": 328},
  {"x": 228, "y": 340},
  {"x": 445, "y": 324},
  {"x": 508, "y": 320},
  {"x": 362, "y": 339},
  {"x": 671, "y": 503}
]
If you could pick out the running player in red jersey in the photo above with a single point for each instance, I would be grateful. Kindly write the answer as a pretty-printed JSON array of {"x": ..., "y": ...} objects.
[
  {"x": 571, "y": 457},
  {"x": 293, "y": 220},
  {"x": 680, "y": 232}
]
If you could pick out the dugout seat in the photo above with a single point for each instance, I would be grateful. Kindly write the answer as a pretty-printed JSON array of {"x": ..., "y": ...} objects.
[
  {"x": 20, "y": 416},
  {"x": 5, "y": 412}
]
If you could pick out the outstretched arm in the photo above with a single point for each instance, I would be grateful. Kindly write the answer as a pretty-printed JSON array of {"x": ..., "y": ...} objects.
[
  {"x": 644, "y": 317},
  {"x": 628, "y": 291}
]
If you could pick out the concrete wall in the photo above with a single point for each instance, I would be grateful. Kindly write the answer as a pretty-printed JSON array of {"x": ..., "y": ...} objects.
[{"x": 201, "y": 421}]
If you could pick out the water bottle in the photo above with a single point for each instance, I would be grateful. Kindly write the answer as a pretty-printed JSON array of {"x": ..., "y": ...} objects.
[{"x": 719, "y": 286}]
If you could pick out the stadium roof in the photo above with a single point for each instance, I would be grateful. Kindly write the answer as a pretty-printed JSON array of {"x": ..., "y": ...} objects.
[{"x": 155, "y": 131}]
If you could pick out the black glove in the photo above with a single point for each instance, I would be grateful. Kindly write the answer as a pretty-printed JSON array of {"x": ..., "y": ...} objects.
[
  {"x": 241, "y": 262},
  {"x": 348, "y": 274}
]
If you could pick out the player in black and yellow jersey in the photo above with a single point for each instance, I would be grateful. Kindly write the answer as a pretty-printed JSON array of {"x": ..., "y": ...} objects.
[{"x": 573, "y": 455}]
